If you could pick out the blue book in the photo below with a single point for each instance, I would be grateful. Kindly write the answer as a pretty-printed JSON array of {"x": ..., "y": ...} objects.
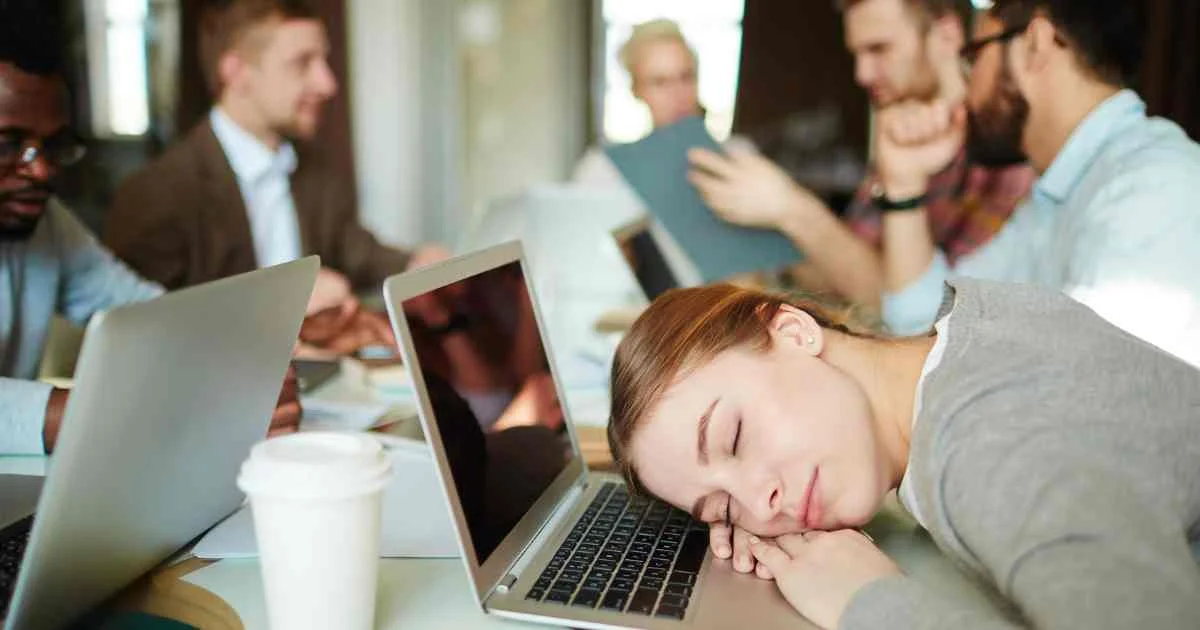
[{"x": 656, "y": 167}]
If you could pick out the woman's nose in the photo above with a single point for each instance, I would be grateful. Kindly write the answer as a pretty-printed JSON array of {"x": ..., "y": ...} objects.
[{"x": 765, "y": 501}]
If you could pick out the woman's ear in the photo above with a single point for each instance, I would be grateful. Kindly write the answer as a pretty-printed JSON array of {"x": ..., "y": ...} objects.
[{"x": 795, "y": 327}]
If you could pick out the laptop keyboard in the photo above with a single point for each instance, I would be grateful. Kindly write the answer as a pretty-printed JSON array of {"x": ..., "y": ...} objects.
[
  {"x": 13, "y": 541},
  {"x": 626, "y": 554}
]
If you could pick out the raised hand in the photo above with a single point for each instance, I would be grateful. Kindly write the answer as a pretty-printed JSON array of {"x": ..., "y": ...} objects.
[{"x": 915, "y": 141}]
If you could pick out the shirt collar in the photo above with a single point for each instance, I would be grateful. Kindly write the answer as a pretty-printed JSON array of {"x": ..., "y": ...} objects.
[
  {"x": 1085, "y": 143},
  {"x": 250, "y": 159}
]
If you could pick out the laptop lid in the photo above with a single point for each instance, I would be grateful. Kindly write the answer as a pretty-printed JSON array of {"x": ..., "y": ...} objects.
[
  {"x": 502, "y": 481},
  {"x": 533, "y": 216},
  {"x": 657, "y": 262},
  {"x": 18, "y": 497},
  {"x": 565, "y": 234},
  {"x": 169, "y": 397}
]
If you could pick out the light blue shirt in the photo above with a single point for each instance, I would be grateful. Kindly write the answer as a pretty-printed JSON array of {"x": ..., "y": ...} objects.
[
  {"x": 59, "y": 269},
  {"x": 264, "y": 179},
  {"x": 1114, "y": 223}
]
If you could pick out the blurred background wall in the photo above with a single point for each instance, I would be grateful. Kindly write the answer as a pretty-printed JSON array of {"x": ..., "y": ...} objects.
[{"x": 446, "y": 104}]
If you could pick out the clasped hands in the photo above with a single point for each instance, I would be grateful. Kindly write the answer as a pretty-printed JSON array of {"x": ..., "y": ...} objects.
[{"x": 817, "y": 572}]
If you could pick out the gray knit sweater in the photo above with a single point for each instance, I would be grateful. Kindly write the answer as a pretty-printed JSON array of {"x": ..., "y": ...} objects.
[{"x": 1057, "y": 458}]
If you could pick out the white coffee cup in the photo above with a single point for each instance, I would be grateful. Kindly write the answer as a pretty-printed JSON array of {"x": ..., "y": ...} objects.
[{"x": 316, "y": 500}]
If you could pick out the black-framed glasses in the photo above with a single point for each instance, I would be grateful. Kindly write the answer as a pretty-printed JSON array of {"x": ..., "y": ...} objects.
[
  {"x": 59, "y": 151},
  {"x": 971, "y": 51}
]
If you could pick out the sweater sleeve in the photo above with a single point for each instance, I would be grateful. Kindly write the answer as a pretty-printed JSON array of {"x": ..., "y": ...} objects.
[{"x": 1071, "y": 544}]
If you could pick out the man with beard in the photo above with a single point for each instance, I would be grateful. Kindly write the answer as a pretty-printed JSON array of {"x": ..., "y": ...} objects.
[
  {"x": 49, "y": 263},
  {"x": 244, "y": 189},
  {"x": 1113, "y": 220},
  {"x": 903, "y": 50}
]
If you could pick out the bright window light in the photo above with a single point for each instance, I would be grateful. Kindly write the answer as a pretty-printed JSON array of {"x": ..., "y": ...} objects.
[
  {"x": 125, "y": 57},
  {"x": 712, "y": 27}
]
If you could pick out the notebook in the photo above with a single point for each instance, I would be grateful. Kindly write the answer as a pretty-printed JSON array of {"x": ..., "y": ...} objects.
[{"x": 656, "y": 167}]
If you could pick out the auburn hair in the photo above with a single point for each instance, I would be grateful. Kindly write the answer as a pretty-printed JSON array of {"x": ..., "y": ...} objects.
[{"x": 685, "y": 328}]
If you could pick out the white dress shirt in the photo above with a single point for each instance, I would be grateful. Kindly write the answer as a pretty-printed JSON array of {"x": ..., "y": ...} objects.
[
  {"x": 1114, "y": 223},
  {"x": 264, "y": 178}
]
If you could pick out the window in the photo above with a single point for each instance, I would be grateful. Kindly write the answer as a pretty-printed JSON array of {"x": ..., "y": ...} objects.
[
  {"x": 118, "y": 67},
  {"x": 712, "y": 27}
]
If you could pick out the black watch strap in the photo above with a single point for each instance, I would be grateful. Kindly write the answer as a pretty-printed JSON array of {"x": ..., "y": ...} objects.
[{"x": 887, "y": 204}]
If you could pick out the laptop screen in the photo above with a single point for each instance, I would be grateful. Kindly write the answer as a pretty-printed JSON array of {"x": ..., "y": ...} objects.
[
  {"x": 492, "y": 397},
  {"x": 646, "y": 258}
]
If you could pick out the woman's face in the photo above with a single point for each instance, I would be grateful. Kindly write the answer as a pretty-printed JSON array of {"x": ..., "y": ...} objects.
[
  {"x": 777, "y": 441},
  {"x": 665, "y": 80}
]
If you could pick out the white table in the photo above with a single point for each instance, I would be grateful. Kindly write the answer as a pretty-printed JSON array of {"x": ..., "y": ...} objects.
[
  {"x": 437, "y": 594},
  {"x": 432, "y": 594}
]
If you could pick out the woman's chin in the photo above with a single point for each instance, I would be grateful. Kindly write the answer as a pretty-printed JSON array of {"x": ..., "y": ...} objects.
[{"x": 773, "y": 529}]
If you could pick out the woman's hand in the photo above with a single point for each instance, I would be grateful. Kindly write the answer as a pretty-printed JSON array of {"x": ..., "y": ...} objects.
[
  {"x": 730, "y": 542},
  {"x": 819, "y": 572}
]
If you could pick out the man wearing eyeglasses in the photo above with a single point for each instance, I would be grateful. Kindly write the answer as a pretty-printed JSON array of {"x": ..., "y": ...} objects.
[
  {"x": 1113, "y": 220},
  {"x": 903, "y": 49},
  {"x": 49, "y": 263}
]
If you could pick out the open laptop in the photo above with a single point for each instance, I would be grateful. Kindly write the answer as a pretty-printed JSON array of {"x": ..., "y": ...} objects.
[
  {"x": 579, "y": 273},
  {"x": 565, "y": 231},
  {"x": 169, "y": 397},
  {"x": 656, "y": 262},
  {"x": 575, "y": 548}
]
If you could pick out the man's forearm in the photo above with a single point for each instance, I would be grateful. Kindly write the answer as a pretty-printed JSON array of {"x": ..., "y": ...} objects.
[
  {"x": 907, "y": 248},
  {"x": 849, "y": 264},
  {"x": 907, "y": 242}
]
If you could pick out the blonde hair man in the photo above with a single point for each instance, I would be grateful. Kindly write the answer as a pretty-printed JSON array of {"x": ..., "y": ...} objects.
[{"x": 663, "y": 71}]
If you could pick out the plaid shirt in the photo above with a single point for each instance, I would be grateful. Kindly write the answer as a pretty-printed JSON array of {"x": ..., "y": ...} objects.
[{"x": 967, "y": 205}]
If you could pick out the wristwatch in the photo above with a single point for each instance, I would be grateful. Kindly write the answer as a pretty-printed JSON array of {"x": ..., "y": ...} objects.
[{"x": 887, "y": 204}]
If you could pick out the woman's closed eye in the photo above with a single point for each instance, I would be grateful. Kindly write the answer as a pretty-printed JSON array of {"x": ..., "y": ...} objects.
[
  {"x": 737, "y": 437},
  {"x": 733, "y": 448}
]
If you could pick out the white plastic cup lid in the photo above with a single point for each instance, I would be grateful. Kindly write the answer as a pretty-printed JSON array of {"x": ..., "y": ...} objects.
[{"x": 316, "y": 465}]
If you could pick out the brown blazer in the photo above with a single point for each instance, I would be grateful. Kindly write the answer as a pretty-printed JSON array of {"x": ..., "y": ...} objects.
[{"x": 182, "y": 221}]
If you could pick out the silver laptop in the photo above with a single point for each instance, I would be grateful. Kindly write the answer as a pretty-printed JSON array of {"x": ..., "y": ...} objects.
[
  {"x": 565, "y": 233},
  {"x": 169, "y": 397},
  {"x": 543, "y": 538}
]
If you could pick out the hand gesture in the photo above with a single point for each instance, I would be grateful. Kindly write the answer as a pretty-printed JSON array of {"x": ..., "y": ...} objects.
[
  {"x": 744, "y": 188},
  {"x": 819, "y": 572},
  {"x": 915, "y": 141}
]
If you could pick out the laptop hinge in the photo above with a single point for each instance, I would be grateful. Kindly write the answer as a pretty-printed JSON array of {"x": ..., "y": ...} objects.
[
  {"x": 570, "y": 499},
  {"x": 506, "y": 583}
]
